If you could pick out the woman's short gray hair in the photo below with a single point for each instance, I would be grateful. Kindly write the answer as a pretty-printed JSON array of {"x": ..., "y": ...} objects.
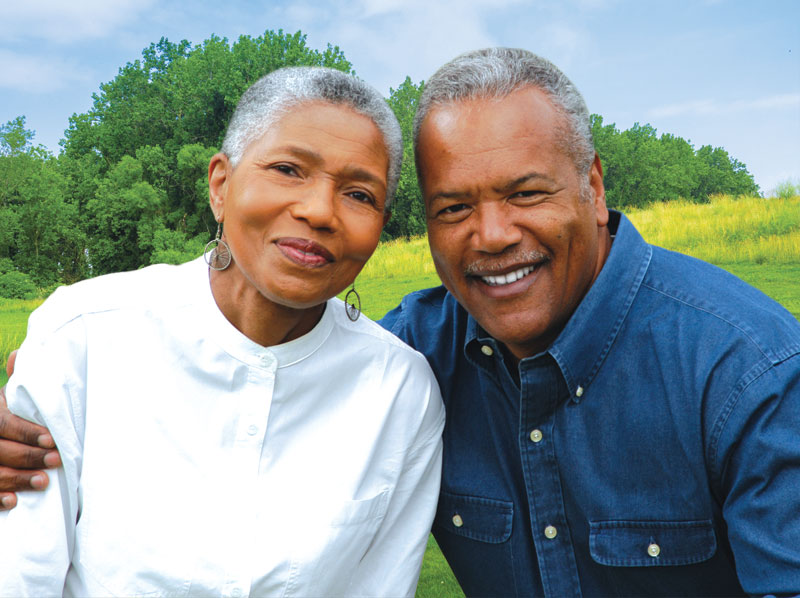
[
  {"x": 272, "y": 96},
  {"x": 495, "y": 73}
]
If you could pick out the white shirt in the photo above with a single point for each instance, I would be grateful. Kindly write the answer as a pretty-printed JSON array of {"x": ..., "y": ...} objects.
[{"x": 197, "y": 462}]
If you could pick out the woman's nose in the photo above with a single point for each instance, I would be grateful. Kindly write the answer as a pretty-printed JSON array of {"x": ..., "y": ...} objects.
[{"x": 317, "y": 206}]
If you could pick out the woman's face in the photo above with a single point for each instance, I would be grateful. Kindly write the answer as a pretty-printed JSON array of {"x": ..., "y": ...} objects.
[{"x": 304, "y": 208}]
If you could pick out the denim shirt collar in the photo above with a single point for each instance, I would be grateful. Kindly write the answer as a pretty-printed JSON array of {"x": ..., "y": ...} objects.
[{"x": 589, "y": 334}]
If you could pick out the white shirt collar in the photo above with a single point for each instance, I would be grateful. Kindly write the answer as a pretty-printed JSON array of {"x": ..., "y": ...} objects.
[{"x": 242, "y": 348}]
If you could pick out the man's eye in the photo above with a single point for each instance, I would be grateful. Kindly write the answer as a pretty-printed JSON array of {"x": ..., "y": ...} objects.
[
  {"x": 361, "y": 196},
  {"x": 286, "y": 169},
  {"x": 523, "y": 194},
  {"x": 454, "y": 209}
]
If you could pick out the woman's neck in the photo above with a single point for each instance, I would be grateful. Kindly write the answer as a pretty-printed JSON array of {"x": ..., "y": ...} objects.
[{"x": 259, "y": 319}]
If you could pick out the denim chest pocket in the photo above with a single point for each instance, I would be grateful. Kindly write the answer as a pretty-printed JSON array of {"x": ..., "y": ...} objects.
[
  {"x": 483, "y": 519},
  {"x": 651, "y": 543}
]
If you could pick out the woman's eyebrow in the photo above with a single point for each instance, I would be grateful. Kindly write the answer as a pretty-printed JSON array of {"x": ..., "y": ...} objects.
[{"x": 301, "y": 152}]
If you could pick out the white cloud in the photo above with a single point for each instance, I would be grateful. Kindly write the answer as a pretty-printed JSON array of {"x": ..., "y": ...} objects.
[
  {"x": 389, "y": 39},
  {"x": 36, "y": 74},
  {"x": 705, "y": 107},
  {"x": 64, "y": 22}
]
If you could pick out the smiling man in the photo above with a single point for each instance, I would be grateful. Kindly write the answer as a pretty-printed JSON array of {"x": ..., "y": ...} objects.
[{"x": 621, "y": 420}]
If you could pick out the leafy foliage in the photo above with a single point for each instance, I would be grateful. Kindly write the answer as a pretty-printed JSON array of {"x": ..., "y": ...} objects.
[
  {"x": 130, "y": 185},
  {"x": 408, "y": 211},
  {"x": 642, "y": 168}
]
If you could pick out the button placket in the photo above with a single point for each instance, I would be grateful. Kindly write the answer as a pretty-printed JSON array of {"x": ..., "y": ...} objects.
[{"x": 542, "y": 384}]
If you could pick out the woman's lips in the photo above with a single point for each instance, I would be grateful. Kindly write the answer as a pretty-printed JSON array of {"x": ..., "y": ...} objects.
[{"x": 304, "y": 252}]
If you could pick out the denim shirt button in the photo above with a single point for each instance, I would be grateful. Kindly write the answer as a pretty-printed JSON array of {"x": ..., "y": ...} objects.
[
  {"x": 487, "y": 350},
  {"x": 536, "y": 435},
  {"x": 550, "y": 532},
  {"x": 457, "y": 521},
  {"x": 654, "y": 550}
]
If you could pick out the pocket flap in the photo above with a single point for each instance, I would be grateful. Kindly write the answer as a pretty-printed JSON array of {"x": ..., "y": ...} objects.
[
  {"x": 483, "y": 519},
  {"x": 651, "y": 543}
]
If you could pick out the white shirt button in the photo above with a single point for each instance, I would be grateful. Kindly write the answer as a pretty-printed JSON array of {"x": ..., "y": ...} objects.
[
  {"x": 236, "y": 593},
  {"x": 550, "y": 532},
  {"x": 654, "y": 550},
  {"x": 457, "y": 521},
  {"x": 487, "y": 350},
  {"x": 536, "y": 436},
  {"x": 252, "y": 430}
]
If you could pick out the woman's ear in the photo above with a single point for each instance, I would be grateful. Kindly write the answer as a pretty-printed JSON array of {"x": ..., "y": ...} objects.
[{"x": 219, "y": 171}]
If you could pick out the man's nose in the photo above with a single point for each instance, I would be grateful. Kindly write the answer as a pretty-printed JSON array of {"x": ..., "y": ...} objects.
[
  {"x": 317, "y": 206},
  {"x": 495, "y": 228}
]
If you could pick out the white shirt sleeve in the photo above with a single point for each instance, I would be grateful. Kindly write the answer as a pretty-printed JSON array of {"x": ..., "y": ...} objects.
[
  {"x": 392, "y": 564},
  {"x": 38, "y": 536}
]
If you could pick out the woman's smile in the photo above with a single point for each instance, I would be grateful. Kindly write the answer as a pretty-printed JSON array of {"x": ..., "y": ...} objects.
[{"x": 304, "y": 252}]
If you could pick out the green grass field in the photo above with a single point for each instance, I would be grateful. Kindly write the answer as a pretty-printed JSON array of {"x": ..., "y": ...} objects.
[{"x": 755, "y": 239}]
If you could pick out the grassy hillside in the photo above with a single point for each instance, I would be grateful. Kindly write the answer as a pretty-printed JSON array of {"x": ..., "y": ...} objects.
[{"x": 755, "y": 239}]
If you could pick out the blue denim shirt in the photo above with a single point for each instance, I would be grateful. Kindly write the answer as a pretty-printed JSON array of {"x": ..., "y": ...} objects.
[{"x": 653, "y": 449}]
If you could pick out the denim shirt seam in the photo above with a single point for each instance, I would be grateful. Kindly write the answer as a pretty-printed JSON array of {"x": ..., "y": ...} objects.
[
  {"x": 759, "y": 369},
  {"x": 696, "y": 305}
]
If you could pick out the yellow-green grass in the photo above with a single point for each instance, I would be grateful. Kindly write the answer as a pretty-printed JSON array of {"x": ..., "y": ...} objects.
[
  {"x": 13, "y": 323},
  {"x": 726, "y": 230},
  {"x": 755, "y": 239}
]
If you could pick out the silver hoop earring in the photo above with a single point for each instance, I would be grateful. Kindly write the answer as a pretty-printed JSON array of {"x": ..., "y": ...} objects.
[
  {"x": 217, "y": 254},
  {"x": 352, "y": 303}
]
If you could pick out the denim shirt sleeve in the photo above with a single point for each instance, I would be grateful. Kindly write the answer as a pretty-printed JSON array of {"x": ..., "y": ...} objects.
[{"x": 755, "y": 457}]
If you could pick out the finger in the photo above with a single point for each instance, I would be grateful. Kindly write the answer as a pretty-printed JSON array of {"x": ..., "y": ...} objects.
[
  {"x": 22, "y": 456},
  {"x": 3, "y": 397},
  {"x": 21, "y": 430},
  {"x": 10, "y": 363},
  {"x": 8, "y": 500},
  {"x": 14, "y": 480}
]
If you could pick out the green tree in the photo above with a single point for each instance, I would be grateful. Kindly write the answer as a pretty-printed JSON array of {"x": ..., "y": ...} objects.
[
  {"x": 640, "y": 167},
  {"x": 123, "y": 219},
  {"x": 40, "y": 228},
  {"x": 408, "y": 210}
]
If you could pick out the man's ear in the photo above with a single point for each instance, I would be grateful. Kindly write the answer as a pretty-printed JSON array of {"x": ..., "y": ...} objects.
[
  {"x": 219, "y": 172},
  {"x": 386, "y": 216},
  {"x": 599, "y": 191}
]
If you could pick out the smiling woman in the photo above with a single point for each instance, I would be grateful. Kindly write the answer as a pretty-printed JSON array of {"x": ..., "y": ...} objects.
[
  {"x": 254, "y": 371},
  {"x": 302, "y": 211}
]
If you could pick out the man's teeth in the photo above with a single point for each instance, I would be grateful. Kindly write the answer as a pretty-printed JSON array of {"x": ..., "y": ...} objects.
[{"x": 508, "y": 278}]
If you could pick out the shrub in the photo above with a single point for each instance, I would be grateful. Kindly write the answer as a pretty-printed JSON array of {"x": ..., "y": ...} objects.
[
  {"x": 786, "y": 189},
  {"x": 17, "y": 285}
]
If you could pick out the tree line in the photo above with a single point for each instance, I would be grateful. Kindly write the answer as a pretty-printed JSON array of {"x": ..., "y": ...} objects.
[{"x": 129, "y": 188}]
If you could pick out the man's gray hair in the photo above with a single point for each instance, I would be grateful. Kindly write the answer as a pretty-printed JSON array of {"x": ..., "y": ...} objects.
[
  {"x": 497, "y": 72},
  {"x": 274, "y": 95}
]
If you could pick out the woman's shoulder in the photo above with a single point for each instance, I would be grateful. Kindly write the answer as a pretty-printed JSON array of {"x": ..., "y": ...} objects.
[
  {"x": 144, "y": 289},
  {"x": 368, "y": 334}
]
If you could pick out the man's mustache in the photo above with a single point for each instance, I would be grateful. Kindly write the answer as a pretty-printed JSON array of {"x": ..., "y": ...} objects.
[{"x": 505, "y": 261}]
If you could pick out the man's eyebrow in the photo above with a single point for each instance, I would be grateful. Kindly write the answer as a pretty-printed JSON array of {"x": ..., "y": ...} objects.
[
  {"x": 450, "y": 195},
  {"x": 514, "y": 183}
]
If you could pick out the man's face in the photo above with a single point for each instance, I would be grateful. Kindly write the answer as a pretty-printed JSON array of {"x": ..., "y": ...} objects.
[{"x": 517, "y": 234}]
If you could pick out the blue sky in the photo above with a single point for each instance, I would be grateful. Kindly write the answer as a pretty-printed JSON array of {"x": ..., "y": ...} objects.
[{"x": 718, "y": 72}]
